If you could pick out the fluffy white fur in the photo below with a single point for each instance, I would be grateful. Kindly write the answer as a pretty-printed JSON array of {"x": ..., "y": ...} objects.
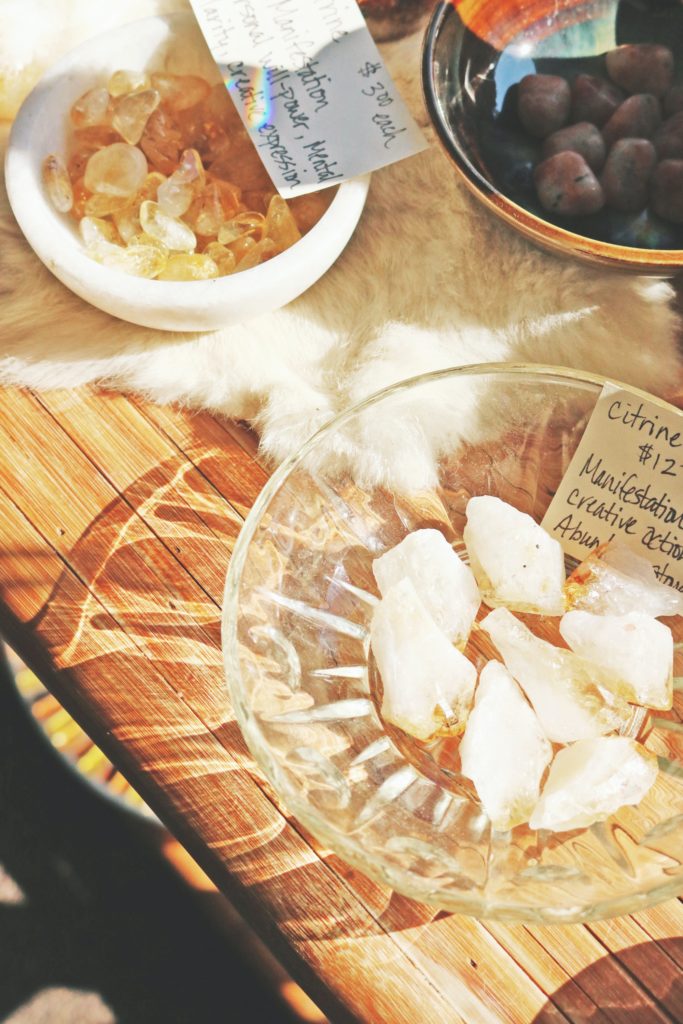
[{"x": 429, "y": 280}]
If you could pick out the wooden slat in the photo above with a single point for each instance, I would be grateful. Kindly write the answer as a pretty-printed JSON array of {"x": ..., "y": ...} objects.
[
  {"x": 139, "y": 577},
  {"x": 219, "y": 456},
  {"x": 173, "y": 498},
  {"x": 547, "y": 972},
  {"x": 664, "y": 923},
  {"x": 118, "y": 521},
  {"x": 189, "y": 778},
  {"x": 645, "y": 960},
  {"x": 601, "y": 977}
]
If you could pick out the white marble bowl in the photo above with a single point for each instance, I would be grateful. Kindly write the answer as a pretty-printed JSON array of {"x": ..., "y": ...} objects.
[{"x": 173, "y": 43}]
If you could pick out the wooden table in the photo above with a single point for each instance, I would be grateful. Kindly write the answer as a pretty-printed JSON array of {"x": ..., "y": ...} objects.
[{"x": 117, "y": 520}]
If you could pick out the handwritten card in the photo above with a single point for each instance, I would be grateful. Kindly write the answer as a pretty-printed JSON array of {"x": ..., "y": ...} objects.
[
  {"x": 310, "y": 87},
  {"x": 625, "y": 480}
]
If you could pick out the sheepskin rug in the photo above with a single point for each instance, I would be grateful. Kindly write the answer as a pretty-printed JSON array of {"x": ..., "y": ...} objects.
[{"x": 429, "y": 280}]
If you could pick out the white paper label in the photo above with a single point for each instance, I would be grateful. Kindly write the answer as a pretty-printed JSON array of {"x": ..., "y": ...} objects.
[
  {"x": 310, "y": 87},
  {"x": 625, "y": 481}
]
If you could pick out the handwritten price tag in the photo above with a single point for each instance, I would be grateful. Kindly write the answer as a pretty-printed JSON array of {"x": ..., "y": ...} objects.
[
  {"x": 310, "y": 87},
  {"x": 625, "y": 480}
]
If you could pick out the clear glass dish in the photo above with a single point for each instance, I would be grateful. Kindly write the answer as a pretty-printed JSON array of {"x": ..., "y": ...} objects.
[{"x": 298, "y": 603}]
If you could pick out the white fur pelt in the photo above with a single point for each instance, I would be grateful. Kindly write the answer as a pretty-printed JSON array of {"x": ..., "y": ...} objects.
[{"x": 429, "y": 280}]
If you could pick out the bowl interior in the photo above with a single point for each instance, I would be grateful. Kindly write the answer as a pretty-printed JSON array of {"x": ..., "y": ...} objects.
[
  {"x": 476, "y": 53},
  {"x": 299, "y": 599}
]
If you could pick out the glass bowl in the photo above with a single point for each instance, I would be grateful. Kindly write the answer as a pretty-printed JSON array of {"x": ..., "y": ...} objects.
[
  {"x": 298, "y": 604},
  {"x": 475, "y": 53}
]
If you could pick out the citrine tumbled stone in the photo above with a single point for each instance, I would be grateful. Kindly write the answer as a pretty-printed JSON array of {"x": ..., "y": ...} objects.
[
  {"x": 132, "y": 112},
  {"x": 58, "y": 183},
  {"x": 117, "y": 170},
  {"x": 164, "y": 181},
  {"x": 170, "y": 230}
]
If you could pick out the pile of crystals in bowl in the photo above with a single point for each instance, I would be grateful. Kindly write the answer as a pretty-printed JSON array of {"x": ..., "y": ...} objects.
[
  {"x": 166, "y": 183},
  {"x": 615, "y": 141},
  {"x": 540, "y": 736}
]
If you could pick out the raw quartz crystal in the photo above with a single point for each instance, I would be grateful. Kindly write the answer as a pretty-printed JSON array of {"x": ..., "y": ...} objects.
[
  {"x": 615, "y": 580},
  {"x": 635, "y": 648},
  {"x": 573, "y": 698},
  {"x": 161, "y": 164},
  {"x": 543, "y": 694},
  {"x": 592, "y": 779},
  {"x": 443, "y": 582},
  {"x": 515, "y": 562},
  {"x": 428, "y": 684},
  {"x": 504, "y": 750}
]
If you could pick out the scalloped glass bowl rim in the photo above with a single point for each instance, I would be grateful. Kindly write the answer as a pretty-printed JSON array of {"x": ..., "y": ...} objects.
[{"x": 543, "y": 232}]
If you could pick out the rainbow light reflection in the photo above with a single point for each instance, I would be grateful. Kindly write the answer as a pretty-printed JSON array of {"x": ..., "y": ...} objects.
[{"x": 254, "y": 98}]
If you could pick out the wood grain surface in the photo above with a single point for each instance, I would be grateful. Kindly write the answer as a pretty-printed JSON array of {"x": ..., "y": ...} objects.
[{"x": 117, "y": 522}]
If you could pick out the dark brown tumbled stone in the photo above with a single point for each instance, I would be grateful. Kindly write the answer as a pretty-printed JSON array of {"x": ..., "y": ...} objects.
[
  {"x": 669, "y": 138},
  {"x": 627, "y": 173},
  {"x": 673, "y": 101},
  {"x": 583, "y": 138},
  {"x": 641, "y": 67},
  {"x": 594, "y": 99},
  {"x": 543, "y": 104},
  {"x": 666, "y": 190},
  {"x": 638, "y": 117},
  {"x": 566, "y": 185}
]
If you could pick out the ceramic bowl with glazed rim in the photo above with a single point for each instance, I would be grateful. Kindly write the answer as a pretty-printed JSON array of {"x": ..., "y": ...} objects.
[
  {"x": 299, "y": 600},
  {"x": 475, "y": 53},
  {"x": 173, "y": 43}
]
